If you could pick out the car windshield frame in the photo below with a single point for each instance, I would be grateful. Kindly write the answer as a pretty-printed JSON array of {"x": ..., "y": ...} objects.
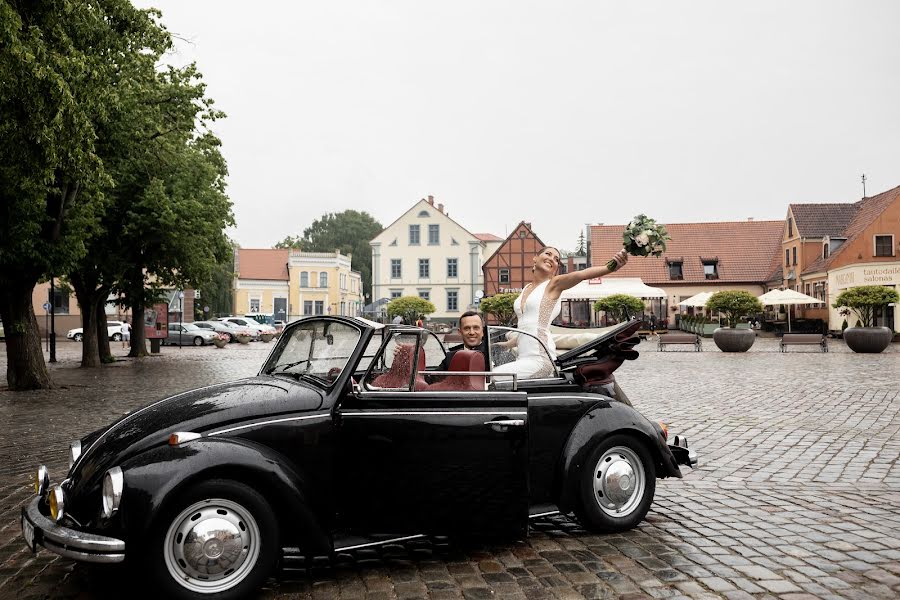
[
  {"x": 343, "y": 349},
  {"x": 491, "y": 347}
]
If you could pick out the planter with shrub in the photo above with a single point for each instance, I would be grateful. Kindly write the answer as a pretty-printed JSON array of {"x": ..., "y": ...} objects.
[{"x": 734, "y": 305}]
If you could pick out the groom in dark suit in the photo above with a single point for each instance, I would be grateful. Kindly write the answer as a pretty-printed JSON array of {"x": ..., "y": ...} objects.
[{"x": 471, "y": 328}]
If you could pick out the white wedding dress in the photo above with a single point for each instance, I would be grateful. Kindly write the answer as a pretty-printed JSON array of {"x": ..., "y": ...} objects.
[{"x": 535, "y": 316}]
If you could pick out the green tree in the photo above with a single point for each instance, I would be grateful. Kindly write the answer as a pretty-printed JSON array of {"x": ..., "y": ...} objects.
[
  {"x": 501, "y": 306},
  {"x": 217, "y": 292},
  {"x": 580, "y": 248},
  {"x": 349, "y": 231},
  {"x": 58, "y": 68},
  {"x": 620, "y": 306},
  {"x": 863, "y": 301},
  {"x": 410, "y": 308},
  {"x": 294, "y": 242},
  {"x": 734, "y": 304}
]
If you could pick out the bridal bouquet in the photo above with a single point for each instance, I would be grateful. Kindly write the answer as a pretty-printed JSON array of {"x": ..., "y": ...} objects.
[{"x": 642, "y": 237}]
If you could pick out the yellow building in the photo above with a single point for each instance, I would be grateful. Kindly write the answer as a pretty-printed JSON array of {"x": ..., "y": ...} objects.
[{"x": 291, "y": 284}]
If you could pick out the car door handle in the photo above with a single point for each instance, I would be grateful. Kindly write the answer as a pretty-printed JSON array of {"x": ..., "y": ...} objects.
[{"x": 502, "y": 425}]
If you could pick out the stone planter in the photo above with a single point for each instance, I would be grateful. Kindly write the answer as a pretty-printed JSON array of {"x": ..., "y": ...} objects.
[
  {"x": 266, "y": 337},
  {"x": 733, "y": 340},
  {"x": 244, "y": 339},
  {"x": 868, "y": 339},
  {"x": 220, "y": 343}
]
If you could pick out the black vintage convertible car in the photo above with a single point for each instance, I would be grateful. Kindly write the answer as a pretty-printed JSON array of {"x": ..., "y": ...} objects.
[{"x": 350, "y": 437}]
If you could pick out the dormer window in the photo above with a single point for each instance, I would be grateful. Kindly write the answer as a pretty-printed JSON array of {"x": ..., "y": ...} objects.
[
  {"x": 424, "y": 214},
  {"x": 710, "y": 268},
  {"x": 825, "y": 252},
  {"x": 675, "y": 270}
]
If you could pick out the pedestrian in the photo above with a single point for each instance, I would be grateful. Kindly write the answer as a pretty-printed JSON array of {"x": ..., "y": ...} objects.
[
  {"x": 653, "y": 325},
  {"x": 419, "y": 322},
  {"x": 126, "y": 334}
]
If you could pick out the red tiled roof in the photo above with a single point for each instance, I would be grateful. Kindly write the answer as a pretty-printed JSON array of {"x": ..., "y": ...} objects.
[
  {"x": 744, "y": 250},
  {"x": 819, "y": 220},
  {"x": 264, "y": 263},
  {"x": 868, "y": 210},
  {"x": 488, "y": 237}
]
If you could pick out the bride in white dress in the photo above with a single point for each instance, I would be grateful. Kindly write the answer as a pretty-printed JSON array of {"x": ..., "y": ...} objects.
[{"x": 537, "y": 306}]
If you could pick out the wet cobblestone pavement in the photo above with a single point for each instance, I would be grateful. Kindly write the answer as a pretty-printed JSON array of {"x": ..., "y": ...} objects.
[{"x": 797, "y": 495}]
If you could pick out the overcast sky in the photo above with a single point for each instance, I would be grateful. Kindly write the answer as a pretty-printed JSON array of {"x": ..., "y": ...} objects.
[{"x": 559, "y": 113}]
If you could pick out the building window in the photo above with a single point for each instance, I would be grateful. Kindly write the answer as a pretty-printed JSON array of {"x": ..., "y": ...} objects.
[
  {"x": 323, "y": 279},
  {"x": 343, "y": 307},
  {"x": 675, "y": 271},
  {"x": 413, "y": 235},
  {"x": 452, "y": 270},
  {"x": 522, "y": 234},
  {"x": 884, "y": 245},
  {"x": 452, "y": 300},
  {"x": 343, "y": 282},
  {"x": 60, "y": 302},
  {"x": 320, "y": 307},
  {"x": 787, "y": 257},
  {"x": 807, "y": 290},
  {"x": 396, "y": 294},
  {"x": 254, "y": 305},
  {"x": 434, "y": 235},
  {"x": 424, "y": 268},
  {"x": 396, "y": 268},
  {"x": 504, "y": 275},
  {"x": 794, "y": 252},
  {"x": 425, "y": 294},
  {"x": 424, "y": 214},
  {"x": 304, "y": 279},
  {"x": 825, "y": 250},
  {"x": 790, "y": 227},
  {"x": 307, "y": 307},
  {"x": 711, "y": 269}
]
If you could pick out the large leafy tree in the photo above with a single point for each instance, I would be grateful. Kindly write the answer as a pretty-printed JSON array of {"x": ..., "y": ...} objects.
[
  {"x": 410, "y": 308},
  {"x": 734, "y": 304},
  {"x": 501, "y": 306},
  {"x": 620, "y": 306},
  {"x": 349, "y": 231},
  {"x": 58, "y": 70},
  {"x": 863, "y": 301}
]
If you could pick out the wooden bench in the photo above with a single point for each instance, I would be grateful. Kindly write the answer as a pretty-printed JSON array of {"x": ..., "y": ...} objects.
[
  {"x": 799, "y": 339},
  {"x": 680, "y": 338}
]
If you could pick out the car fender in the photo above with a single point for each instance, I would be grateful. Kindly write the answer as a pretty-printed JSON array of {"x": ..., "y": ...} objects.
[
  {"x": 155, "y": 477},
  {"x": 606, "y": 418}
]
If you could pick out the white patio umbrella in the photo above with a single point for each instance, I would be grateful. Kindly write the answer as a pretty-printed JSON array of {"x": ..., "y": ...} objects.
[
  {"x": 787, "y": 297},
  {"x": 697, "y": 300}
]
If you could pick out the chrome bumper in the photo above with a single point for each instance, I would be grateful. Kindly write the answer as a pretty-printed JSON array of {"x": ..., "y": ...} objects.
[
  {"x": 683, "y": 455},
  {"x": 66, "y": 542}
]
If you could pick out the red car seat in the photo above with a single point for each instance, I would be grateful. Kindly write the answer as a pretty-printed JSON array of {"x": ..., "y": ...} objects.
[
  {"x": 462, "y": 361},
  {"x": 398, "y": 375}
]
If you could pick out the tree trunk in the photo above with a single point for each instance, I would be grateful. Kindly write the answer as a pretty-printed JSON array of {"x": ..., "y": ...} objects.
[
  {"x": 138, "y": 346},
  {"x": 86, "y": 300},
  {"x": 99, "y": 309},
  {"x": 25, "y": 368}
]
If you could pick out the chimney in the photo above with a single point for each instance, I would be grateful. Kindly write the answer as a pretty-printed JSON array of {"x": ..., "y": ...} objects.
[
  {"x": 431, "y": 200},
  {"x": 440, "y": 207},
  {"x": 749, "y": 218}
]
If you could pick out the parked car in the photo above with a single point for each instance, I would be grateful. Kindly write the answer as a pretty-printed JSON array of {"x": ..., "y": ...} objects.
[
  {"x": 279, "y": 326},
  {"x": 113, "y": 330},
  {"x": 188, "y": 334},
  {"x": 2, "y": 331},
  {"x": 343, "y": 440},
  {"x": 232, "y": 330},
  {"x": 251, "y": 324}
]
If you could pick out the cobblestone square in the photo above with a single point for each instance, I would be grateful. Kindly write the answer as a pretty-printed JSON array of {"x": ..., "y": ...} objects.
[{"x": 797, "y": 494}]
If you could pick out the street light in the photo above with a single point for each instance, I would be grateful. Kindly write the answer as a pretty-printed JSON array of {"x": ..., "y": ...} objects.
[{"x": 180, "y": 318}]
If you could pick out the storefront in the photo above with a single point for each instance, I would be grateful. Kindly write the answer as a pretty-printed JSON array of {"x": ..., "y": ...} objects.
[
  {"x": 882, "y": 273},
  {"x": 577, "y": 302}
]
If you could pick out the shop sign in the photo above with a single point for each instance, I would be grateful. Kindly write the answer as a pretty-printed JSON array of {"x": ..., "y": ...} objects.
[{"x": 156, "y": 321}]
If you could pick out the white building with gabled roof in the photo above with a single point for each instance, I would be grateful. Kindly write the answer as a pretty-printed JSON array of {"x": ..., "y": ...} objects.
[{"x": 425, "y": 253}]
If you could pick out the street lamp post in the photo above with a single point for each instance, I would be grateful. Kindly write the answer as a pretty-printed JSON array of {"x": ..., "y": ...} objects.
[
  {"x": 52, "y": 321},
  {"x": 180, "y": 318}
]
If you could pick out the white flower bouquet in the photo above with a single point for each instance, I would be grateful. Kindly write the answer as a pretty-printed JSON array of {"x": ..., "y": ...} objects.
[{"x": 642, "y": 237}]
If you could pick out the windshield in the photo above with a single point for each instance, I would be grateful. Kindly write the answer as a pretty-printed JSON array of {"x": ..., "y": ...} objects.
[
  {"x": 320, "y": 349},
  {"x": 189, "y": 327}
]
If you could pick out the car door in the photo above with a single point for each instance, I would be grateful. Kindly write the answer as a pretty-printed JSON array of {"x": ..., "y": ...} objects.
[{"x": 413, "y": 461}]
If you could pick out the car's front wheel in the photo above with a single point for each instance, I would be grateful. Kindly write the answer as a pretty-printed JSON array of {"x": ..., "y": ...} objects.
[
  {"x": 78, "y": 337},
  {"x": 219, "y": 539},
  {"x": 117, "y": 337},
  {"x": 198, "y": 341},
  {"x": 616, "y": 485}
]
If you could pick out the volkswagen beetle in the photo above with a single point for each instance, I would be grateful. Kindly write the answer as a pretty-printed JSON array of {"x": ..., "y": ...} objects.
[{"x": 349, "y": 436}]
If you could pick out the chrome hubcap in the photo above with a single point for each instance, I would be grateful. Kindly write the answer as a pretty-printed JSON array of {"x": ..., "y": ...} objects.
[
  {"x": 619, "y": 481},
  {"x": 212, "y": 546}
]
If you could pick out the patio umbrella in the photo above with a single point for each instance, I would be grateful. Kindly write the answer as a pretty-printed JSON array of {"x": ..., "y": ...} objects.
[
  {"x": 787, "y": 297},
  {"x": 697, "y": 300}
]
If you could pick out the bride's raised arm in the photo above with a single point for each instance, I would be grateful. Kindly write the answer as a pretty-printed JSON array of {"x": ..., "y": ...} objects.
[{"x": 559, "y": 283}]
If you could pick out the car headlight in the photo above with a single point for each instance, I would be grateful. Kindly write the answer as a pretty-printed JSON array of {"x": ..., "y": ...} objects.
[
  {"x": 57, "y": 503},
  {"x": 41, "y": 480},
  {"x": 74, "y": 452},
  {"x": 113, "y": 483}
]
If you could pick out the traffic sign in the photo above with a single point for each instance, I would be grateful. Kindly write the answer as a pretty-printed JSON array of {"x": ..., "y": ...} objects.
[{"x": 47, "y": 306}]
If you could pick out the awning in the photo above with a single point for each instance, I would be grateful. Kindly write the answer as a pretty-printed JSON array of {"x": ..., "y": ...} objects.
[
  {"x": 375, "y": 307},
  {"x": 697, "y": 300},
  {"x": 633, "y": 286}
]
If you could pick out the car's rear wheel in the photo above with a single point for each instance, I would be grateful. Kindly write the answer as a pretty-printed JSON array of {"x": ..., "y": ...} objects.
[
  {"x": 198, "y": 341},
  {"x": 78, "y": 337},
  {"x": 616, "y": 485},
  {"x": 117, "y": 337},
  {"x": 219, "y": 539}
]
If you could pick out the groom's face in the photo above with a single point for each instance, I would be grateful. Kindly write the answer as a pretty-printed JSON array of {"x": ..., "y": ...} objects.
[{"x": 471, "y": 330}]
